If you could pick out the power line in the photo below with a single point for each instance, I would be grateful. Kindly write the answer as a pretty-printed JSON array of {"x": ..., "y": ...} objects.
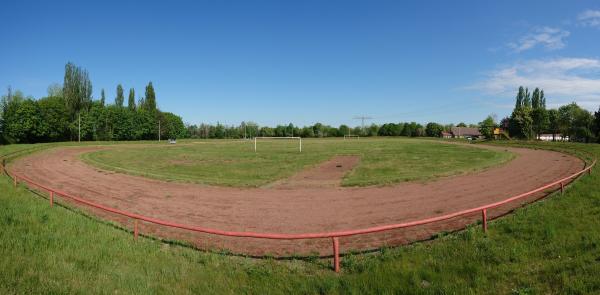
[{"x": 362, "y": 120}]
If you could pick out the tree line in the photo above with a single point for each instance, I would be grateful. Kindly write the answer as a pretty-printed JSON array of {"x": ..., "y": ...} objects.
[
  {"x": 531, "y": 118},
  {"x": 69, "y": 112},
  {"x": 251, "y": 129}
]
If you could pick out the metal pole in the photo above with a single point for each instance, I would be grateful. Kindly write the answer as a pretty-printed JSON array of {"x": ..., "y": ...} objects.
[
  {"x": 79, "y": 134},
  {"x": 300, "y": 144},
  {"x": 158, "y": 130},
  {"x": 336, "y": 254},
  {"x": 255, "y": 144}
]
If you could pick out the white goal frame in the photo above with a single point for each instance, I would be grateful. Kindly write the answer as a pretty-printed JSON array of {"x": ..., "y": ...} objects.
[
  {"x": 351, "y": 136},
  {"x": 281, "y": 137}
]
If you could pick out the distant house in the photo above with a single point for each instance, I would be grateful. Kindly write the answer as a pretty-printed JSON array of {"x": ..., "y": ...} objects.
[
  {"x": 446, "y": 134},
  {"x": 465, "y": 132},
  {"x": 551, "y": 137}
]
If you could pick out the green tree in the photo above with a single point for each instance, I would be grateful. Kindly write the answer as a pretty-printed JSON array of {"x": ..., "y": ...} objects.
[
  {"x": 575, "y": 122},
  {"x": 150, "y": 99},
  {"x": 55, "y": 115},
  {"x": 521, "y": 121},
  {"x": 487, "y": 126},
  {"x": 77, "y": 89},
  {"x": 174, "y": 127},
  {"x": 102, "y": 98},
  {"x": 434, "y": 129},
  {"x": 539, "y": 114},
  {"x": 77, "y": 92},
  {"x": 120, "y": 99},
  {"x": 23, "y": 122},
  {"x": 344, "y": 130},
  {"x": 131, "y": 101},
  {"x": 553, "y": 123},
  {"x": 527, "y": 99},
  {"x": 597, "y": 125},
  {"x": 519, "y": 99},
  {"x": 289, "y": 130},
  {"x": 55, "y": 90}
]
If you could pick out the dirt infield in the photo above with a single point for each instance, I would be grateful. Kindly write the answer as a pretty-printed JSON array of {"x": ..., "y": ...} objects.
[{"x": 297, "y": 206}]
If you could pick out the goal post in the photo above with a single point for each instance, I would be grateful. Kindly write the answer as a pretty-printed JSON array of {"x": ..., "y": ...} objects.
[
  {"x": 351, "y": 136},
  {"x": 282, "y": 137}
]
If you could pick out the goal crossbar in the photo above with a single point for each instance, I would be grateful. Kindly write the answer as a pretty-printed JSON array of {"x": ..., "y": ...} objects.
[{"x": 280, "y": 137}]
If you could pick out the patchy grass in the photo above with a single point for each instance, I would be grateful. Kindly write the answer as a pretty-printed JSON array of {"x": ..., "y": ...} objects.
[
  {"x": 234, "y": 163},
  {"x": 550, "y": 247}
]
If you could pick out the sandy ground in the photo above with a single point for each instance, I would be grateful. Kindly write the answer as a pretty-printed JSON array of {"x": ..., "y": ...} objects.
[{"x": 311, "y": 201}]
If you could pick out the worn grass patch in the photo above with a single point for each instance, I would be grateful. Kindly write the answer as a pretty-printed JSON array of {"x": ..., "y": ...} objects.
[{"x": 234, "y": 163}]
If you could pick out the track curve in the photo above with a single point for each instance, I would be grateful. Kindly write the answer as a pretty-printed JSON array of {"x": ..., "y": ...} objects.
[{"x": 298, "y": 210}]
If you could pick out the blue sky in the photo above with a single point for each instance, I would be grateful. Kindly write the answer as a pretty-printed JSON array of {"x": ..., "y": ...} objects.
[{"x": 275, "y": 62}]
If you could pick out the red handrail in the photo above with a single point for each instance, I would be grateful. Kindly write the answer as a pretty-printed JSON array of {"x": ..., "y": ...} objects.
[{"x": 334, "y": 235}]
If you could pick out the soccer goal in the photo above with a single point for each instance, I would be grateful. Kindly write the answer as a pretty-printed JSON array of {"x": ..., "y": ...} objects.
[
  {"x": 351, "y": 136},
  {"x": 285, "y": 137}
]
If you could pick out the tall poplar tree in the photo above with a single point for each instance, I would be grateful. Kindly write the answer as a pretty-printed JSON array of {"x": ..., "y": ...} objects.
[
  {"x": 131, "y": 102},
  {"x": 539, "y": 114},
  {"x": 120, "y": 98},
  {"x": 77, "y": 92},
  {"x": 102, "y": 97},
  {"x": 150, "y": 99},
  {"x": 77, "y": 89}
]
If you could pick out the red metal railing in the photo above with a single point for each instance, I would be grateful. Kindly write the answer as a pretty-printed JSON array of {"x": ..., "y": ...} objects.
[{"x": 321, "y": 235}]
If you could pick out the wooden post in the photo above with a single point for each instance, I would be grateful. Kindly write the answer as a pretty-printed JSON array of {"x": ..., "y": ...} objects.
[
  {"x": 562, "y": 188},
  {"x": 15, "y": 180},
  {"x": 135, "y": 229},
  {"x": 336, "y": 254},
  {"x": 51, "y": 198}
]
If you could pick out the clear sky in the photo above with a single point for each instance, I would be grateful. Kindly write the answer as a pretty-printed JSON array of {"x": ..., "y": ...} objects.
[{"x": 275, "y": 62}]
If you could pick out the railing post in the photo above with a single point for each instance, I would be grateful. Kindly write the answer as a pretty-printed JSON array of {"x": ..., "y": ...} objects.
[
  {"x": 51, "y": 198},
  {"x": 336, "y": 254},
  {"x": 590, "y": 171},
  {"x": 562, "y": 188},
  {"x": 15, "y": 180},
  {"x": 484, "y": 220},
  {"x": 135, "y": 229}
]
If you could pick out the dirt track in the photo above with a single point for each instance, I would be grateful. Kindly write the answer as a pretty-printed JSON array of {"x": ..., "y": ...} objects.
[{"x": 302, "y": 209}]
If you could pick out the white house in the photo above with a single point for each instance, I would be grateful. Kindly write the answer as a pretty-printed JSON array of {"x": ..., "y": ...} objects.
[{"x": 551, "y": 137}]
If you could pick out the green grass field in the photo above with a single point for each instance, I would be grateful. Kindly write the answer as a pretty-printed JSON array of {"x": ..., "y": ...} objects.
[
  {"x": 551, "y": 247},
  {"x": 234, "y": 163}
]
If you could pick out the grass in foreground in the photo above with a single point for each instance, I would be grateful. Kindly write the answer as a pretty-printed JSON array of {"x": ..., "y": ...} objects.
[
  {"x": 234, "y": 163},
  {"x": 549, "y": 247}
]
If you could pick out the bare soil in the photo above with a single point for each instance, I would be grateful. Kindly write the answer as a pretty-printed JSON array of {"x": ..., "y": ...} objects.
[
  {"x": 310, "y": 201},
  {"x": 326, "y": 174}
]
